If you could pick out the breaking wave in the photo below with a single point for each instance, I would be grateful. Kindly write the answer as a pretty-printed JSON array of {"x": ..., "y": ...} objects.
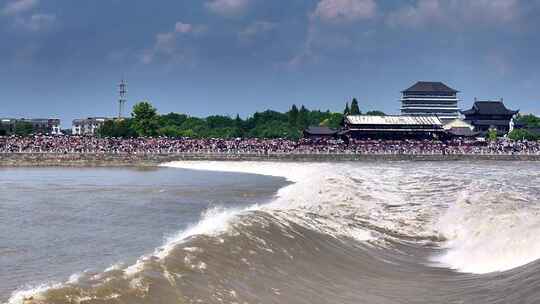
[{"x": 342, "y": 233}]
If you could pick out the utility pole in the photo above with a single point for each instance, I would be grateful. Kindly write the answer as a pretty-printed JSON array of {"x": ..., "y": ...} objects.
[{"x": 122, "y": 97}]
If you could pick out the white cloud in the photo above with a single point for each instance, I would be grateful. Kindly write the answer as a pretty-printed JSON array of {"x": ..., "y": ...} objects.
[
  {"x": 181, "y": 27},
  {"x": 255, "y": 29},
  {"x": 228, "y": 7},
  {"x": 322, "y": 40},
  {"x": 455, "y": 13},
  {"x": 490, "y": 10},
  {"x": 19, "y": 6},
  {"x": 18, "y": 10},
  {"x": 36, "y": 22},
  {"x": 167, "y": 43},
  {"x": 147, "y": 57},
  {"x": 424, "y": 12},
  {"x": 338, "y": 11},
  {"x": 186, "y": 28}
]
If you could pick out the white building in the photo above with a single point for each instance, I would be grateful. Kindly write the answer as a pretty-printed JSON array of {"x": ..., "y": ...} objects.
[
  {"x": 87, "y": 126},
  {"x": 431, "y": 98}
]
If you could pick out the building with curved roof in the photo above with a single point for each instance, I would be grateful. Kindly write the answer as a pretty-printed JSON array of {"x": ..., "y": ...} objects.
[
  {"x": 430, "y": 98},
  {"x": 485, "y": 115}
]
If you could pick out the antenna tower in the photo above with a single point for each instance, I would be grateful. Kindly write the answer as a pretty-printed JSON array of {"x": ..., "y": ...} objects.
[{"x": 122, "y": 97}]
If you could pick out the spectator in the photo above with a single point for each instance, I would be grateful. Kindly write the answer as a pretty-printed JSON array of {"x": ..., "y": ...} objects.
[{"x": 163, "y": 145}]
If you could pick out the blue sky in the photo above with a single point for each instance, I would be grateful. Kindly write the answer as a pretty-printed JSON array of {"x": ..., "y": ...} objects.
[{"x": 63, "y": 58}]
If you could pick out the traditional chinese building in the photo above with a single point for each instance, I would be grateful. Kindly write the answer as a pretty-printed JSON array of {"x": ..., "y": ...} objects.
[
  {"x": 393, "y": 127},
  {"x": 430, "y": 98},
  {"x": 485, "y": 115}
]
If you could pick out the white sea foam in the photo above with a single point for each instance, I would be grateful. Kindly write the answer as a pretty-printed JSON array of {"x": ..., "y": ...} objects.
[
  {"x": 490, "y": 231},
  {"x": 212, "y": 222},
  {"x": 483, "y": 236},
  {"x": 316, "y": 189},
  {"x": 334, "y": 198},
  {"x": 215, "y": 220},
  {"x": 20, "y": 296},
  {"x": 487, "y": 231}
]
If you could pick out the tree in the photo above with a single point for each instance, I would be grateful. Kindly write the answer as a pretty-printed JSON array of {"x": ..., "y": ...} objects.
[
  {"x": 188, "y": 133},
  {"x": 375, "y": 113},
  {"x": 239, "y": 126},
  {"x": 238, "y": 122},
  {"x": 145, "y": 119},
  {"x": 303, "y": 119},
  {"x": 267, "y": 124},
  {"x": 347, "y": 111},
  {"x": 293, "y": 116},
  {"x": 521, "y": 134},
  {"x": 107, "y": 129},
  {"x": 315, "y": 117},
  {"x": 355, "y": 109},
  {"x": 194, "y": 127},
  {"x": 220, "y": 126},
  {"x": 23, "y": 128},
  {"x": 270, "y": 129},
  {"x": 335, "y": 120},
  {"x": 492, "y": 134},
  {"x": 260, "y": 118},
  {"x": 170, "y": 131},
  {"x": 173, "y": 119},
  {"x": 117, "y": 128},
  {"x": 529, "y": 120}
]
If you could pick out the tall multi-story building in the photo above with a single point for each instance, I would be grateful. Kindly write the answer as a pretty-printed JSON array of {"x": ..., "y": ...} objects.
[
  {"x": 430, "y": 98},
  {"x": 87, "y": 126},
  {"x": 37, "y": 125}
]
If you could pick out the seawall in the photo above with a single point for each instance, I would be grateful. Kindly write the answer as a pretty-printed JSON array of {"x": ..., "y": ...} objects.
[{"x": 149, "y": 160}]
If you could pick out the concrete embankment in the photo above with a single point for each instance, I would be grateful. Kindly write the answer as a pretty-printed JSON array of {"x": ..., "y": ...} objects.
[{"x": 147, "y": 160}]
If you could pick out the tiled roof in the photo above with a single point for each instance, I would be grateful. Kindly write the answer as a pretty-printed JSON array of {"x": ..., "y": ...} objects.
[
  {"x": 320, "y": 131},
  {"x": 428, "y": 86},
  {"x": 489, "y": 108},
  {"x": 394, "y": 120}
]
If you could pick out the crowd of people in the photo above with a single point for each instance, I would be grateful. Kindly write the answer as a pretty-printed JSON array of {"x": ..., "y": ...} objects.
[{"x": 162, "y": 145}]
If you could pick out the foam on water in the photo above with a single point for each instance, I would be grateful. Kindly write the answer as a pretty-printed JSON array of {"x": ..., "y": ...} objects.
[
  {"x": 490, "y": 231},
  {"x": 316, "y": 189},
  {"x": 212, "y": 222},
  {"x": 485, "y": 230},
  {"x": 20, "y": 296}
]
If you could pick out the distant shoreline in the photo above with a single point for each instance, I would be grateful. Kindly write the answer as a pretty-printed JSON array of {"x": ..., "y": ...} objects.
[{"x": 152, "y": 160}]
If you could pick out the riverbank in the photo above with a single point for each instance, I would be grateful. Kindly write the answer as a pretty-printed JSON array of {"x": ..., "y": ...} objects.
[{"x": 151, "y": 160}]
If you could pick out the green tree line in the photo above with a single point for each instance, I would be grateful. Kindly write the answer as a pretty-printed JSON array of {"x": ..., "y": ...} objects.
[
  {"x": 20, "y": 128},
  {"x": 528, "y": 122},
  {"x": 145, "y": 121}
]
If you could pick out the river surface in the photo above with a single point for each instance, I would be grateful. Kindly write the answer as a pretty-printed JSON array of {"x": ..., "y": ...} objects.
[{"x": 265, "y": 232}]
